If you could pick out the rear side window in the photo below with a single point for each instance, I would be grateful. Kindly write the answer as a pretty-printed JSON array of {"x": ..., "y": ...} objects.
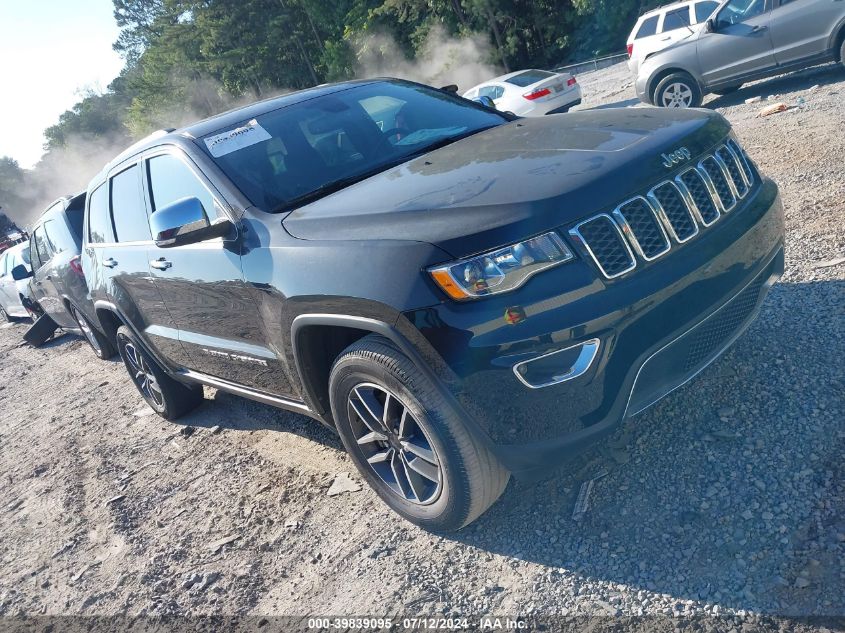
[
  {"x": 171, "y": 180},
  {"x": 99, "y": 220},
  {"x": 677, "y": 19},
  {"x": 42, "y": 247},
  {"x": 33, "y": 255},
  {"x": 494, "y": 92},
  {"x": 529, "y": 77},
  {"x": 127, "y": 207},
  {"x": 58, "y": 237},
  {"x": 647, "y": 28},
  {"x": 703, "y": 10}
]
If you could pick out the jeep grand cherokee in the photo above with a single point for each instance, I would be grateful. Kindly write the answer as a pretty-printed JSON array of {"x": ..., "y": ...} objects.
[{"x": 461, "y": 294}]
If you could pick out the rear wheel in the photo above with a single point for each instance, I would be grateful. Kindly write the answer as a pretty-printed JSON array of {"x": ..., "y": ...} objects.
[
  {"x": 842, "y": 53},
  {"x": 407, "y": 442},
  {"x": 678, "y": 90},
  {"x": 97, "y": 340},
  {"x": 167, "y": 397}
]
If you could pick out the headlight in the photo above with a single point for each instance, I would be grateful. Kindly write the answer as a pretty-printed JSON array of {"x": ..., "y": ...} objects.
[{"x": 501, "y": 270}]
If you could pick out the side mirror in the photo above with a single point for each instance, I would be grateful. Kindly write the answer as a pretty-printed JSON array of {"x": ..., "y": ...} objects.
[
  {"x": 486, "y": 101},
  {"x": 21, "y": 272},
  {"x": 185, "y": 222},
  {"x": 710, "y": 26}
]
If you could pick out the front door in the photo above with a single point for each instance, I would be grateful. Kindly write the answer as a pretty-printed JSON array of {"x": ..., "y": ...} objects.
[
  {"x": 801, "y": 29},
  {"x": 740, "y": 44},
  {"x": 204, "y": 290}
]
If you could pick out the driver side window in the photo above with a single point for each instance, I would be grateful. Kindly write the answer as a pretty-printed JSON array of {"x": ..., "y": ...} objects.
[
  {"x": 737, "y": 11},
  {"x": 171, "y": 180}
]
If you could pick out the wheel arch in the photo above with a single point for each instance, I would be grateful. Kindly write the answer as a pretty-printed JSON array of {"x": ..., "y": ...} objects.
[
  {"x": 660, "y": 75},
  {"x": 110, "y": 320},
  {"x": 838, "y": 39}
]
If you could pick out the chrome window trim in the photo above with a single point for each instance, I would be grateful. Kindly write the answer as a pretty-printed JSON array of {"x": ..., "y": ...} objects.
[
  {"x": 661, "y": 212},
  {"x": 582, "y": 364},
  {"x": 724, "y": 208},
  {"x": 622, "y": 221},
  {"x": 718, "y": 154},
  {"x": 575, "y": 233},
  {"x": 679, "y": 180}
]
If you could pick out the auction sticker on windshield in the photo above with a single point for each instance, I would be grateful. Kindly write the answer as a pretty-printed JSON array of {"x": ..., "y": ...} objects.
[{"x": 239, "y": 138}]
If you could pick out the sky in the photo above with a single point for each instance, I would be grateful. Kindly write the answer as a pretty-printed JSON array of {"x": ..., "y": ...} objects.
[{"x": 50, "y": 50}]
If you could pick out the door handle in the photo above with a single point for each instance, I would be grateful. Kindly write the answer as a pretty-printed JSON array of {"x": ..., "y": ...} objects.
[
  {"x": 109, "y": 262},
  {"x": 161, "y": 264},
  {"x": 760, "y": 29}
]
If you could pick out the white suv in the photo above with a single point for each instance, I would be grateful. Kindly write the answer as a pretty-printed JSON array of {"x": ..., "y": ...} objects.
[{"x": 660, "y": 28}]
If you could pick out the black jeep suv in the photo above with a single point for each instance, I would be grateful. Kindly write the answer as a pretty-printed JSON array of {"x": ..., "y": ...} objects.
[{"x": 462, "y": 294}]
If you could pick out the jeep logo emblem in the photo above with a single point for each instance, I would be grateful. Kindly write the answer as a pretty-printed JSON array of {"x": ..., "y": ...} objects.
[{"x": 676, "y": 158}]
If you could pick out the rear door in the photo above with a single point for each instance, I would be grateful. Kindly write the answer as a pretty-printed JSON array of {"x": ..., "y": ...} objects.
[
  {"x": 204, "y": 289},
  {"x": 42, "y": 279},
  {"x": 740, "y": 45},
  {"x": 119, "y": 233},
  {"x": 802, "y": 29}
]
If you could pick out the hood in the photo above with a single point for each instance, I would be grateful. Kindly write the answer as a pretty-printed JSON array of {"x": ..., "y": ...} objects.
[{"x": 512, "y": 181}]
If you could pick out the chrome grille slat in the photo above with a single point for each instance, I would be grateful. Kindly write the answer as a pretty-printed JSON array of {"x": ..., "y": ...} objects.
[
  {"x": 712, "y": 170},
  {"x": 603, "y": 240},
  {"x": 640, "y": 223},
  {"x": 674, "y": 210},
  {"x": 647, "y": 228}
]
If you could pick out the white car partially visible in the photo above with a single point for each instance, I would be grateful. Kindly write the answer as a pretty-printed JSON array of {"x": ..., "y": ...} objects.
[
  {"x": 530, "y": 92},
  {"x": 662, "y": 27},
  {"x": 12, "y": 291}
]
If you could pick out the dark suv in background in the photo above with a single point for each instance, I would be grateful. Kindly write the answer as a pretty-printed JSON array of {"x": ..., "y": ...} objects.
[
  {"x": 58, "y": 283},
  {"x": 462, "y": 294}
]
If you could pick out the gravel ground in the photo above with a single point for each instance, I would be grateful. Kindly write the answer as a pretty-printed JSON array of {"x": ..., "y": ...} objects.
[{"x": 726, "y": 498}]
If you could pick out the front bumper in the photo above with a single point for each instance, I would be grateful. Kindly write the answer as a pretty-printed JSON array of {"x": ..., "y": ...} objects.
[{"x": 658, "y": 328}]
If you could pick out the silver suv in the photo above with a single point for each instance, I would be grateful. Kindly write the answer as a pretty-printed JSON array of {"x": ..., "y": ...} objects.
[{"x": 743, "y": 41}]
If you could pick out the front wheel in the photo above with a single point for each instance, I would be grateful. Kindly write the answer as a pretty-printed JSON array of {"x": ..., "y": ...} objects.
[
  {"x": 97, "y": 340},
  {"x": 167, "y": 397},
  {"x": 407, "y": 442},
  {"x": 678, "y": 90}
]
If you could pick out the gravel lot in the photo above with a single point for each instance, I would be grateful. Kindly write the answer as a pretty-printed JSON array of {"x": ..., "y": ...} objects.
[{"x": 727, "y": 498}]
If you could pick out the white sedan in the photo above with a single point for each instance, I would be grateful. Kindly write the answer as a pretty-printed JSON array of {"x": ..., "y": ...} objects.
[
  {"x": 11, "y": 291},
  {"x": 530, "y": 92}
]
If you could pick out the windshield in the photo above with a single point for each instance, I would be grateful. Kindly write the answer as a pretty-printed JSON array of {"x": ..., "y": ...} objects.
[{"x": 301, "y": 152}]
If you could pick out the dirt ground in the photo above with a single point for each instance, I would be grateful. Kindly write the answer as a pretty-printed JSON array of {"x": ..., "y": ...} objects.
[{"x": 727, "y": 498}]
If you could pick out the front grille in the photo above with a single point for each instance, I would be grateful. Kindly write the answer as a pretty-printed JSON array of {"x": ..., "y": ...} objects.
[
  {"x": 711, "y": 167},
  {"x": 718, "y": 330},
  {"x": 701, "y": 195},
  {"x": 670, "y": 214},
  {"x": 676, "y": 211},
  {"x": 606, "y": 245},
  {"x": 641, "y": 224}
]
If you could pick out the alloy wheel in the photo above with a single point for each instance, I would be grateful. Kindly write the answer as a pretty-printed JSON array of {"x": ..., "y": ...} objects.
[
  {"x": 677, "y": 95},
  {"x": 394, "y": 444},
  {"x": 142, "y": 375},
  {"x": 86, "y": 329}
]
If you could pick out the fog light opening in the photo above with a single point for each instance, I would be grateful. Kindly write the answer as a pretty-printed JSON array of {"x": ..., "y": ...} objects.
[{"x": 557, "y": 367}]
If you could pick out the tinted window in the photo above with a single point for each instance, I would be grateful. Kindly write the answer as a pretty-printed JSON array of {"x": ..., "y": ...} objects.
[
  {"x": 703, "y": 10},
  {"x": 171, "y": 180},
  {"x": 74, "y": 214},
  {"x": 41, "y": 245},
  {"x": 127, "y": 207},
  {"x": 529, "y": 77},
  {"x": 648, "y": 28},
  {"x": 677, "y": 19},
  {"x": 99, "y": 220},
  {"x": 300, "y": 152},
  {"x": 58, "y": 237}
]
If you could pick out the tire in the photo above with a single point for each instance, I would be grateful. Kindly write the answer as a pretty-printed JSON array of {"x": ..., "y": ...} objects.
[
  {"x": 103, "y": 349},
  {"x": 727, "y": 91},
  {"x": 679, "y": 89},
  {"x": 463, "y": 478},
  {"x": 167, "y": 397},
  {"x": 842, "y": 53}
]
